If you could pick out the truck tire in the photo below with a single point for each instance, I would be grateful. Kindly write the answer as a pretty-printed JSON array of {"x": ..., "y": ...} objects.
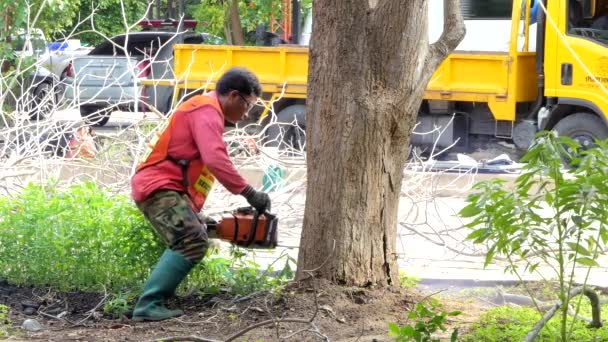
[
  {"x": 287, "y": 133},
  {"x": 582, "y": 127},
  {"x": 95, "y": 115}
]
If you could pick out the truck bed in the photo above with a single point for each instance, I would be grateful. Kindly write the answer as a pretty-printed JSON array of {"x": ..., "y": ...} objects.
[{"x": 499, "y": 78}]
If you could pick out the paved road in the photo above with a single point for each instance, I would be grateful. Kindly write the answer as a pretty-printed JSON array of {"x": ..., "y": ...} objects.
[{"x": 118, "y": 120}]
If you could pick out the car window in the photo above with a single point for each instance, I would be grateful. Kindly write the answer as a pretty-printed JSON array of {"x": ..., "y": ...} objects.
[
  {"x": 137, "y": 45},
  {"x": 194, "y": 39}
]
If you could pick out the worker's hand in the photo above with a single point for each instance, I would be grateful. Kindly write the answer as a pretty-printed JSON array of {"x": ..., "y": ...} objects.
[{"x": 257, "y": 199}]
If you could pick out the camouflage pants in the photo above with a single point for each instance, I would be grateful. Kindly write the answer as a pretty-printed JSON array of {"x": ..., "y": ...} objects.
[{"x": 176, "y": 223}]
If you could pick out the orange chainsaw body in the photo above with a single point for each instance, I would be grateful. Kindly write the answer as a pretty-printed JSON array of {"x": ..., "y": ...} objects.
[{"x": 247, "y": 227}]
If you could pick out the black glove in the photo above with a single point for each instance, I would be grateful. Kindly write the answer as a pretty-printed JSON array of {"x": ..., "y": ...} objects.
[{"x": 257, "y": 199}]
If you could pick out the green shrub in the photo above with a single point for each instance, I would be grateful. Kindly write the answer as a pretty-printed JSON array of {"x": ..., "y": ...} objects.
[
  {"x": 551, "y": 218},
  {"x": 426, "y": 321},
  {"x": 5, "y": 323},
  {"x": 78, "y": 238},
  {"x": 513, "y": 324},
  {"x": 236, "y": 275},
  {"x": 85, "y": 238},
  {"x": 409, "y": 282},
  {"x": 119, "y": 304}
]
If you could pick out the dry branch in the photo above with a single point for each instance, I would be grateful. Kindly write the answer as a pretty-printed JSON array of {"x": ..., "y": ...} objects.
[{"x": 595, "y": 311}]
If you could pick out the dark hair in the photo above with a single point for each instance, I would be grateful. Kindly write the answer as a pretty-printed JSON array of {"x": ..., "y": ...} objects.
[{"x": 239, "y": 79}]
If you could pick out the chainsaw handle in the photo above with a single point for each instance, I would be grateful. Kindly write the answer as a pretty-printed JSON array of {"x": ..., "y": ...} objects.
[
  {"x": 254, "y": 228},
  {"x": 254, "y": 223}
]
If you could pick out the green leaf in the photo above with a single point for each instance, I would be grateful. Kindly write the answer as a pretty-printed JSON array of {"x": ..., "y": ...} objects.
[
  {"x": 489, "y": 256},
  {"x": 590, "y": 243},
  {"x": 478, "y": 235},
  {"x": 407, "y": 331},
  {"x": 587, "y": 262},
  {"x": 577, "y": 220},
  {"x": 454, "y": 336},
  {"x": 604, "y": 235},
  {"x": 470, "y": 210},
  {"x": 534, "y": 267},
  {"x": 579, "y": 249},
  {"x": 393, "y": 330},
  {"x": 454, "y": 313}
]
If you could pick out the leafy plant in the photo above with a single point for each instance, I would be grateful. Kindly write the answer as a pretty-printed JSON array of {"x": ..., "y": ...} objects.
[
  {"x": 84, "y": 237},
  {"x": 552, "y": 217},
  {"x": 120, "y": 304},
  {"x": 236, "y": 275},
  {"x": 5, "y": 322},
  {"x": 81, "y": 238},
  {"x": 213, "y": 14},
  {"x": 513, "y": 324},
  {"x": 427, "y": 321},
  {"x": 408, "y": 281}
]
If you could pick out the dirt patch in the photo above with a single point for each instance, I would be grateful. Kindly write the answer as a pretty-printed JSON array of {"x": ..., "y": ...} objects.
[{"x": 344, "y": 314}]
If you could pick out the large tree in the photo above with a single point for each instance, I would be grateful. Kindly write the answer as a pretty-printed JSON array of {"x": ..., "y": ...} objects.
[{"x": 370, "y": 62}]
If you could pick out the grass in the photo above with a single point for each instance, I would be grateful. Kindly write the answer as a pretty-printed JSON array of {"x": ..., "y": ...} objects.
[
  {"x": 513, "y": 324},
  {"x": 86, "y": 238}
]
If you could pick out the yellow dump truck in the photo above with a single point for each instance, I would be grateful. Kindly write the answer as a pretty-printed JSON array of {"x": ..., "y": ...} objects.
[{"x": 513, "y": 74}]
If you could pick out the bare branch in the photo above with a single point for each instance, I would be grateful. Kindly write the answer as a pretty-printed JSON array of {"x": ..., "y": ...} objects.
[
  {"x": 453, "y": 33},
  {"x": 595, "y": 307}
]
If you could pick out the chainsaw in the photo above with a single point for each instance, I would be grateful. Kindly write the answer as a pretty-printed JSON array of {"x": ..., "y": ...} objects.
[{"x": 245, "y": 227}]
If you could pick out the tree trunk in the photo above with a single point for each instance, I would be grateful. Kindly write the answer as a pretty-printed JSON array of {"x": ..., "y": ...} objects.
[
  {"x": 370, "y": 62},
  {"x": 235, "y": 24},
  {"x": 6, "y": 30}
]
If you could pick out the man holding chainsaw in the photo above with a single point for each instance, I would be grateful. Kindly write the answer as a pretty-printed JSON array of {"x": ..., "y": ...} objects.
[{"x": 177, "y": 172}]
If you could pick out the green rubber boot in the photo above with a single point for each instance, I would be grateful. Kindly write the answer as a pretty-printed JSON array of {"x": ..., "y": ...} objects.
[{"x": 171, "y": 269}]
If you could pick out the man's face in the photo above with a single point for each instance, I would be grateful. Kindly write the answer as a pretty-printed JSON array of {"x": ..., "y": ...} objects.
[{"x": 238, "y": 105}]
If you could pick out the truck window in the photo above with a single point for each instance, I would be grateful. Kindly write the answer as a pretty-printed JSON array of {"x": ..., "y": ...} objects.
[
  {"x": 486, "y": 9},
  {"x": 583, "y": 22}
]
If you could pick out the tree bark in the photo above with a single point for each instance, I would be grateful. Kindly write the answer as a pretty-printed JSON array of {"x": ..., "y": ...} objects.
[
  {"x": 8, "y": 16},
  {"x": 370, "y": 62},
  {"x": 235, "y": 24}
]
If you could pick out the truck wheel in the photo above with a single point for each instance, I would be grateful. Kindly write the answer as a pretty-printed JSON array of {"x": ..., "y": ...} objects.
[
  {"x": 582, "y": 127},
  {"x": 288, "y": 132},
  {"x": 95, "y": 115}
]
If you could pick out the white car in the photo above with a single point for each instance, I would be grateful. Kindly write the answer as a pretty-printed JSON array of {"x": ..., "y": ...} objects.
[{"x": 58, "y": 60}]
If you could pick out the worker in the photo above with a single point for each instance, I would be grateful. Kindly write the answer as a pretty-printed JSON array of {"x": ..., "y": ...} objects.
[
  {"x": 178, "y": 170},
  {"x": 533, "y": 11}
]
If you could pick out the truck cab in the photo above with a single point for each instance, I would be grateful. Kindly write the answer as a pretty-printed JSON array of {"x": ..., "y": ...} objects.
[{"x": 512, "y": 76}]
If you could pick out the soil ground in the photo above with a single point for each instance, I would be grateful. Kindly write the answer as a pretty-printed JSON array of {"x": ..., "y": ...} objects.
[{"x": 344, "y": 314}]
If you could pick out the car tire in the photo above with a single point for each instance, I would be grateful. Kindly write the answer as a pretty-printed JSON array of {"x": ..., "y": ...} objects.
[
  {"x": 288, "y": 132},
  {"x": 95, "y": 115},
  {"x": 43, "y": 102}
]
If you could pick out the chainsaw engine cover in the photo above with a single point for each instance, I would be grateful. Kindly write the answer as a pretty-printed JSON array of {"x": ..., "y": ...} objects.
[{"x": 247, "y": 227}]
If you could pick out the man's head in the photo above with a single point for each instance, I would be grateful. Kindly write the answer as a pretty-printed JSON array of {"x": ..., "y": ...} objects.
[{"x": 238, "y": 90}]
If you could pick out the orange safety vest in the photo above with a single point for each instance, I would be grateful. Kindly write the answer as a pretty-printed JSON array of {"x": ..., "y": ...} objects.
[{"x": 197, "y": 179}]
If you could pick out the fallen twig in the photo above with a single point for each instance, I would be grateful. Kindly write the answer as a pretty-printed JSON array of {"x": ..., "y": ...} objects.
[
  {"x": 312, "y": 327},
  {"x": 59, "y": 318},
  {"x": 184, "y": 338},
  {"x": 595, "y": 307},
  {"x": 93, "y": 310}
]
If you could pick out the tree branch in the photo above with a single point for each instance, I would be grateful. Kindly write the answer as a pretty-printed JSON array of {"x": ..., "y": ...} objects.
[
  {"x": 453, "y": 33},
  {"x": 595, "y": 312}
]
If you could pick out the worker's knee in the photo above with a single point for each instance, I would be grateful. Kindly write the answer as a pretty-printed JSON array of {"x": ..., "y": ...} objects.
[{"x": 194, "y": 246}]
